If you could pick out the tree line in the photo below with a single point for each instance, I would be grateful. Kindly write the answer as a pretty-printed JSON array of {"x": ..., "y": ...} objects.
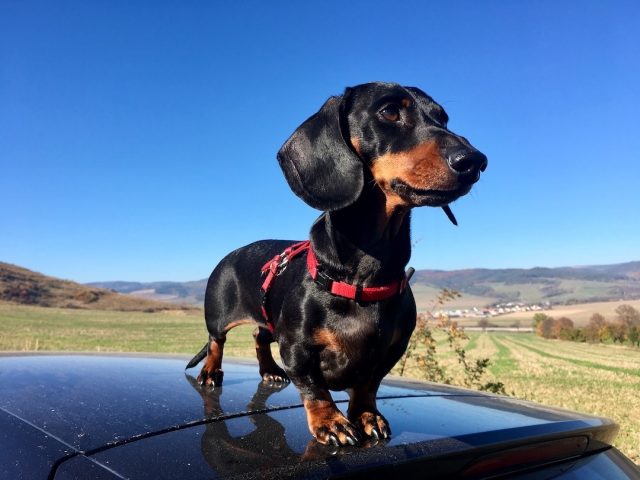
[{"x": 624, "y": 328}]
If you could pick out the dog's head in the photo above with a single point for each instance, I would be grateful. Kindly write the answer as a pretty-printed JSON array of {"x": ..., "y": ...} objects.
[{"x": 399, "y": 134}]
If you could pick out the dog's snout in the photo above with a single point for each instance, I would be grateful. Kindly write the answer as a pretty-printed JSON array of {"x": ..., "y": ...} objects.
[{"x": 467, "y": 163}]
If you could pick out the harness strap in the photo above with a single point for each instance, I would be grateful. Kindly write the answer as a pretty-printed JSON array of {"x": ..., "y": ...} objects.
[{"x": 277, "y": 265}]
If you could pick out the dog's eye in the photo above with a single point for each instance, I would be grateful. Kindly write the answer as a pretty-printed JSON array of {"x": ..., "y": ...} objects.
[{"x": 391, "y": 113}]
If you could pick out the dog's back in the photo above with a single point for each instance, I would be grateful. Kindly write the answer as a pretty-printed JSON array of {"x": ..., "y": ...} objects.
[{"x": 233, "y": 290}]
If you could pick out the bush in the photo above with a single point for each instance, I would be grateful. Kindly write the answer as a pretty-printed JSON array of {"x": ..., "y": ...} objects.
[
  {"x": 634, "y": 336},
  {"x": 628, "y": 315},
  {"x": 429, "y": 366},
  {"x": 544, "y": 328},
  {"x": 561, "y": 327}
]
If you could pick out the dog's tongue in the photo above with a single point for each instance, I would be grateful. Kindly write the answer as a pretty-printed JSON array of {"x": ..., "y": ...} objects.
[{"x": 450, "y": 214}]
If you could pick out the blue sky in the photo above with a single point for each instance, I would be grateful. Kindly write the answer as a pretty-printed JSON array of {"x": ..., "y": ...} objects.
[{"x": 138, "y": 139}]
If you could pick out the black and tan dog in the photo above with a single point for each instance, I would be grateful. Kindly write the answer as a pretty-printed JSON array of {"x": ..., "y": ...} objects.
[{"x": 339, "y": 305}]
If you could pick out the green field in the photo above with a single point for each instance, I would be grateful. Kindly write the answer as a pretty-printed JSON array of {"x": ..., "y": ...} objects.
[{"x": 598, "y": 379}]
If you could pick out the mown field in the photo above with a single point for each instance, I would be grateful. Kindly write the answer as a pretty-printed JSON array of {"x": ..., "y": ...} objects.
[
  {"x": 26, "y": 328},
  {"x": 598, "y": 379}
]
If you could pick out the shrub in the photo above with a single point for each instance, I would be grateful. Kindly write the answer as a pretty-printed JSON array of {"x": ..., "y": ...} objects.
[
  {"x": 538, "y": 318},
  {"x": 426, "y": 358},
  {"x": 561, "y": 327},
  {"x": 628, "y": 315},
  {"x": 544, "y": 328}
]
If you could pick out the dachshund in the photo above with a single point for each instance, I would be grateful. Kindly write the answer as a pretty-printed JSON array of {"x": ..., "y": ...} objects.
[{"x": 343, "y": 317}]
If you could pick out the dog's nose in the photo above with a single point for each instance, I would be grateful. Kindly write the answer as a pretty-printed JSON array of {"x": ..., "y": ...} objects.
[{"x": 468, "y": 163}]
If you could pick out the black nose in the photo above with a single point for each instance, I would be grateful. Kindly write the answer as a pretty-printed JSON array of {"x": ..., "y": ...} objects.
[{"x": 468, "y": 163}]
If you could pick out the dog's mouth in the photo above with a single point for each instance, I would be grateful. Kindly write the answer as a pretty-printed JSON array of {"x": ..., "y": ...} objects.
[{"x": 431, "y": 197}]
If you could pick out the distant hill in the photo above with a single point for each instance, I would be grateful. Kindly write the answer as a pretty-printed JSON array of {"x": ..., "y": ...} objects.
[
  {"x": 191, "y": 293},
  {"x": 563, "y": 285},
  {"x": 19, "y": 285}
]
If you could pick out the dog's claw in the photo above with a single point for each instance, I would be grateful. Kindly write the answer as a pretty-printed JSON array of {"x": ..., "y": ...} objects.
[
  {"x": 351, "y": 436},
  {"x": 337, "y": 433},
  {"x": 278, "y": 377},
  {"x": 373, "y": 425},
  {"x": 275, "y": 380}
]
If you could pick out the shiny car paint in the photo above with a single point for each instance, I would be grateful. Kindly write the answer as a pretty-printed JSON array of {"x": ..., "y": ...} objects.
[{"x": 83, "y": 416}]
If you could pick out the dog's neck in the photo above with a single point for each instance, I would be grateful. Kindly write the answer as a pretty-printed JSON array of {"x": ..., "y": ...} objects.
[{"x": 363, "y": 243}]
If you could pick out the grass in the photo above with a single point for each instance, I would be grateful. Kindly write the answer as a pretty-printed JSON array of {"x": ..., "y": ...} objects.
[
  {"x": 598, "y": 379},
  {"x": 26, "y": 328}
]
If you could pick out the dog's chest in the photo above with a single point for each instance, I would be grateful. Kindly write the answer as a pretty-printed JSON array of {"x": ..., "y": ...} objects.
[{"x": 352, "y": 346}]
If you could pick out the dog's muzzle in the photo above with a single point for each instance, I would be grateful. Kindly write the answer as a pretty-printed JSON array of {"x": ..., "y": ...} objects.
[{"x": 467, "y": 165}]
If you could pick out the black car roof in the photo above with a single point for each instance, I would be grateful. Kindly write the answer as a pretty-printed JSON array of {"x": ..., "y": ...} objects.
[
  {"x": 90, "y": 401},
  {"x": 116, "y": 409}
]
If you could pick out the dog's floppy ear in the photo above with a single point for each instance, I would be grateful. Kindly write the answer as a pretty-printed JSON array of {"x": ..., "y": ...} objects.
[{"x": 318, "y": 164}]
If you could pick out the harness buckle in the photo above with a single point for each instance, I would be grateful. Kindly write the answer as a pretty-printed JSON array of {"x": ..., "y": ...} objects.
[
  {"x": 282, "y": 264},
  {"x": 358, "y": 294}
]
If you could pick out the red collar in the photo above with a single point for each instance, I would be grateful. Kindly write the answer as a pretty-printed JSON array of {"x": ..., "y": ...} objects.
[{"x": 354, "y": 292}]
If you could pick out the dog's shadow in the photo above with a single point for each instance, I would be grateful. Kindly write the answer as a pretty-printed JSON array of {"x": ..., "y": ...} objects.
[{"x": 264, "y": 447}]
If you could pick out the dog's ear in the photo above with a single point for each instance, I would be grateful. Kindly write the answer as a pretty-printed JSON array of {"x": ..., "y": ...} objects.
[{"x": 319, "y": 165}]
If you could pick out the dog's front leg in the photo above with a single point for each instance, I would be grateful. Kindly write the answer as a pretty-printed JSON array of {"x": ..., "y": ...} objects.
[
  {"x": 364, "y": 413},
  {"x": 326, "y": 423}
]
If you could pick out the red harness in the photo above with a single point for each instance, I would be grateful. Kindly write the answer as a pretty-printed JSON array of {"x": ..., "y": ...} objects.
[{"x": 277, "y": 264}]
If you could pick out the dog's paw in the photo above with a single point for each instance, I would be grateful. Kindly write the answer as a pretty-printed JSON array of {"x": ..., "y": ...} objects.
[
  {"x": 275, "y": 375},
  {"x": 210, "y": 379},
  {"x": 373, "y": 425},
  {"x": 336, "y": 431},
  {"x": 275, "y": 378}
]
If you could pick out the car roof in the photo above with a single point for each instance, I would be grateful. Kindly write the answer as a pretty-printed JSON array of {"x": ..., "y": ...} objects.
[{"x": 116, "y": 410}]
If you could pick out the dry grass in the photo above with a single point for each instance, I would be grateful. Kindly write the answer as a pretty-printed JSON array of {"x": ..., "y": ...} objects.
[{"x": 28, "y": 328}]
